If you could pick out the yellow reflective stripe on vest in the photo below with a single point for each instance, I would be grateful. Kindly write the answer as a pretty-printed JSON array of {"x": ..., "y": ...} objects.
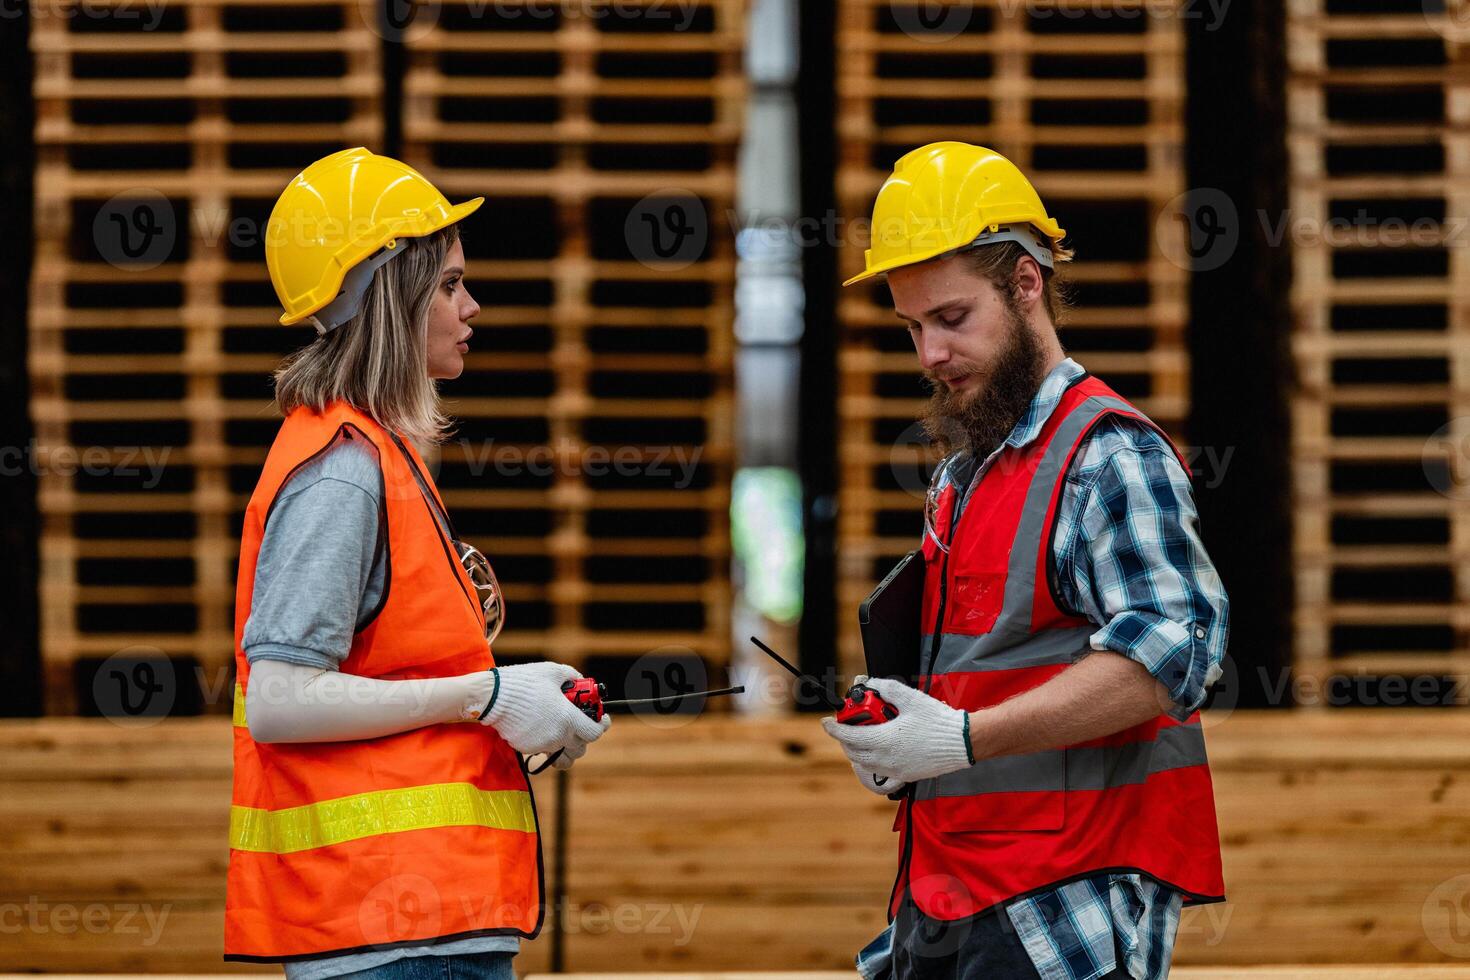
[{"x": 386, "y": 811}]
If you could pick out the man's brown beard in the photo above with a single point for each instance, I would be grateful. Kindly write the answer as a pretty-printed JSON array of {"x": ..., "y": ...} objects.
[{"x": 978, "y": 421}]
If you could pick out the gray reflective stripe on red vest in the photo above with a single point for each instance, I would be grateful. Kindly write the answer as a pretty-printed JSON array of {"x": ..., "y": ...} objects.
[
  {"x": 959, "y": 653},
  {"x": 1011, "y": 639},
  {"x": 1086, "y": 768},
  {"x": 1014, "y": 622}
]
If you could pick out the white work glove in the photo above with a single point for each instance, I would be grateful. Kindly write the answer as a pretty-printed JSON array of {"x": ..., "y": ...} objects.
[
  {"x": 874, "y": 783},
  {"x": 577, "y": 749},
  {"x": 927, "y": 739},
  {"x": 531, "y": 712}
]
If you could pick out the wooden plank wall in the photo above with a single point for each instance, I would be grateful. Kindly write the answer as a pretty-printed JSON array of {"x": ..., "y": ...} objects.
[
  {"x": 1090, "y": 106},
  {"x": 740, "y": 845}
]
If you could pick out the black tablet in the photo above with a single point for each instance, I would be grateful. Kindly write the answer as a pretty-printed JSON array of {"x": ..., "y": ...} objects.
[{"x": 889, "y": 619}]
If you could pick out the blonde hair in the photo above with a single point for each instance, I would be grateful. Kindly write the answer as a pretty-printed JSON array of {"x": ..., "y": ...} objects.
[
  {"x": 997, "y": 263},
  {"x": 377, "y": 361}
]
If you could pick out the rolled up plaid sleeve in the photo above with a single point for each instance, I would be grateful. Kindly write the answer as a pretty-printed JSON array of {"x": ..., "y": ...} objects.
[{"x": 1129, "y": 557}]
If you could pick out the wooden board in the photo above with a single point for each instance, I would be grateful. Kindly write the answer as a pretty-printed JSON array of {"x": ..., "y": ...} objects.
[
  {"x": 1319, "y": 864},
  {"x": 133, "y": 822},
  {"x": 716, "y": 845}
]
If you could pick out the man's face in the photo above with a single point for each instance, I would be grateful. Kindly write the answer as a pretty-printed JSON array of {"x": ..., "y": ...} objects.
[{"x": 982, "y": 360}]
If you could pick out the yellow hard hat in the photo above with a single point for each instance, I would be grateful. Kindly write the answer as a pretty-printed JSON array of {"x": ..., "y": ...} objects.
[
  {"x": 948, "y": 195},
  {"x": 344, "y": 214}
]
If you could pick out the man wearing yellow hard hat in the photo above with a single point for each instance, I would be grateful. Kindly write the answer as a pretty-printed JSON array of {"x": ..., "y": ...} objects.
[
  {"x": 381, "y": 823},
  {"x": 1055, "y": 803}
]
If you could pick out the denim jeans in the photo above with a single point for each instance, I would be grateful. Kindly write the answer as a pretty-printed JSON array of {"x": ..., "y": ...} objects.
[{"x": 465, "y": 966}]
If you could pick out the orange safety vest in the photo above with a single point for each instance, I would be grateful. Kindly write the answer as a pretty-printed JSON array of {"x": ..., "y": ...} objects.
[
  {"x": 426, "y": 836},
  {"x": 1137, "y": 801}
]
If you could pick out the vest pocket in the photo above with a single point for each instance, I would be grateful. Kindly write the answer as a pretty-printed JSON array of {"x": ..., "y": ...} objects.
[
  {"x": 1010, "y": 793},
  {"x": 976, "y": 602}
]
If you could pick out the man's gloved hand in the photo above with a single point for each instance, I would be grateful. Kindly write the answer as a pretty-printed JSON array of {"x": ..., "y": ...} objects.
[
  {"x": 927, "y": 739},
  {"x": 530, "y": 711},
  {"x": 874, "y": 783}
]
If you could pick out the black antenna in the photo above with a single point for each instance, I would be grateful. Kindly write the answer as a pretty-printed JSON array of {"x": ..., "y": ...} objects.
[{"x": 832, "y": 701}]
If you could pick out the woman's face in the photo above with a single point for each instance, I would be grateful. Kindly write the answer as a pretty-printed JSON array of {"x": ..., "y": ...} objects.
[{"x": 449, "y": 318}]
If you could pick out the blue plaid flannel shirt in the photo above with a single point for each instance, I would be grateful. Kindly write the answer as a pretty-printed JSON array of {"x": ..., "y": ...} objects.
[{"x": 1129, "y": 556}]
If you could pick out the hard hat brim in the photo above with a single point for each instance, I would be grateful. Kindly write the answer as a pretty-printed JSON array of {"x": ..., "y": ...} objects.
[
  {"x": 456, "y": 214},
  {"x": 899, "y": 263},
  {"x": 1050, "y": 229}
]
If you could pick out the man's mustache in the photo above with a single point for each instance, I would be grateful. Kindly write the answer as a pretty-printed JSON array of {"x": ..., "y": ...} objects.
[{"x": 935, "y": 376}]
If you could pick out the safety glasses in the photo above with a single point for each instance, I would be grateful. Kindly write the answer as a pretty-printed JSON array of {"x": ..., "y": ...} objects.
[
  {"x": 492, "y": 600},
  {"x": 942, "y": 478}
]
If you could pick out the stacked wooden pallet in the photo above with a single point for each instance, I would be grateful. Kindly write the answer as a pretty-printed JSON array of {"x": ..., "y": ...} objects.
[
  {"x": 164, "y": 133},
  {"x": 592, "y": 465},
  {"x": 1380, "y": 196},
  {"x": 604, "y": 137},
  {"x": 742, "y": 845},
  {"x": 1089, "y": 103}
]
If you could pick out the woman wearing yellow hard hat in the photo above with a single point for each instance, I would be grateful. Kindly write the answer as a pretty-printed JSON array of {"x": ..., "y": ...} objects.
[{"x": 381, "y": 812}]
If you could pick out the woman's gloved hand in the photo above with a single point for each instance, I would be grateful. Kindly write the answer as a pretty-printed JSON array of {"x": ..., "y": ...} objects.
[
  {"x": 530, "y": 711},
  {"x": 575, "y": 751}
]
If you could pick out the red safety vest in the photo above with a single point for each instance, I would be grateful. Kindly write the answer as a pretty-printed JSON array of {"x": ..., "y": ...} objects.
[
  {"x": 1138, "y": 801},
  {"x": 425, "y": 836}
]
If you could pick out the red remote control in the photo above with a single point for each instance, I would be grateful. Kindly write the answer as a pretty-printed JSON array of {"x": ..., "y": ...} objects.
[
  {"x": 863, "y": 706},
  {"x": 586, "y": 694}
]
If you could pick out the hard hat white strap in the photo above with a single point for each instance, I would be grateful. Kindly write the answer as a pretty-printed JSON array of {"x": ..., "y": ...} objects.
[
  {"x": 355, "y": 283},
  {"x": 1022, "y": 233}
]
